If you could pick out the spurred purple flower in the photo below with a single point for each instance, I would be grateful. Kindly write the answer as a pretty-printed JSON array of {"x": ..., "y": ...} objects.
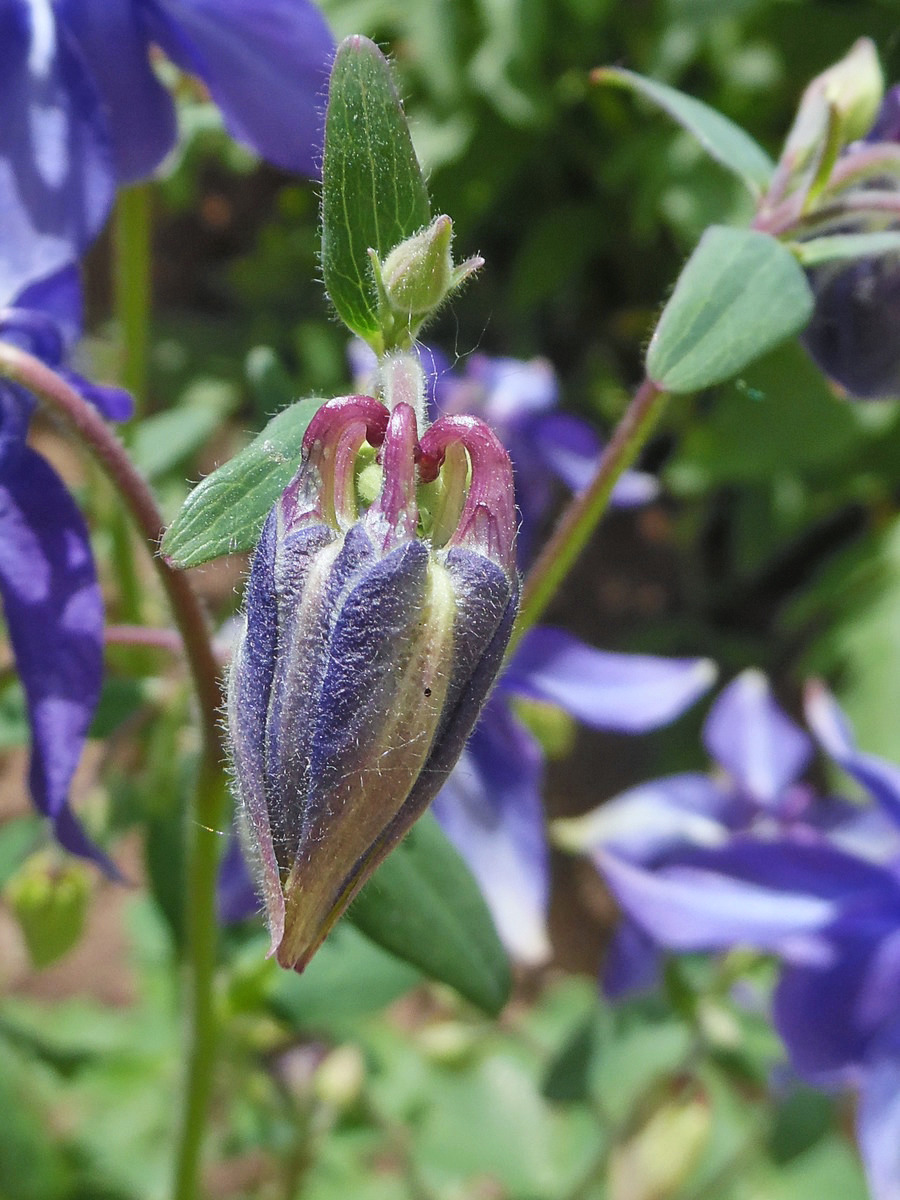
[
  {"x": 368, "y": 651},
  {"x": 84, "y": 110},
  {"x": 817, "y": 885},
  {"x": 48, "y": 582}
]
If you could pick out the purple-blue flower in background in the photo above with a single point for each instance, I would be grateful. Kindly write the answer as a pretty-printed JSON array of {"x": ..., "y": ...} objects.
[
  {"x": 491, "y": 806},
  {"x": 819, "y": 887},
  {"x": 84, "y": 110},
  {"x": 853, "y": 333},
  {"x": 48, "y": 581}
]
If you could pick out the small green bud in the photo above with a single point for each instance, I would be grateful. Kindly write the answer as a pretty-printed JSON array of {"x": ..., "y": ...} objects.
[
  {"x": 848, "y": 93},
  {"x": 656, "y": 1160},
  {"x": 340, "y": 1078},
  {"x": 50, "y": 902},
  {"x": 419, "y": 274}
]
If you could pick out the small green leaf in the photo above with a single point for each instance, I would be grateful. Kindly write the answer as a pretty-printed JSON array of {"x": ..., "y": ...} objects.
[
  {"x": 424, "y": 907},
  {"x": 727, "y": 143},
  {"x": 225, "y": 512},
  {"x": 740, "y": 293},
  {"x": 373, "y": 189},
  {"x": 164, "y": 440},
  {"x": 846, "y": 246}
]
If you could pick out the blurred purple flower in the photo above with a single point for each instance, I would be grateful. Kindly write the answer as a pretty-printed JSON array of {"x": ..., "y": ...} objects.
[
  {"x": 823, "y": 894},
  {"x": 519, "y": 399},
  {"x": 491, "y": 806},
  {"x": 853, "y": 333},
  {"x": 84, "y": 110},
  {"x": 48, "y": 581}
]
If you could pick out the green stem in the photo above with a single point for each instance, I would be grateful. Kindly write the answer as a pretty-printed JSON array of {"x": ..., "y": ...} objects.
[
  {"x": 133, "y": 283},
  {"x": 206, "y": 816},
  {"x": 582, "y": 515},
  {"x": 132, "y": 297}
]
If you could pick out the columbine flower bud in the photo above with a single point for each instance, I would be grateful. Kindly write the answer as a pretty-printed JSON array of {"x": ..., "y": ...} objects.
[
  {"x": 850, "y": 92},
  {"x": 419, "y": 274},
  {"x": 372, "y": 639}
]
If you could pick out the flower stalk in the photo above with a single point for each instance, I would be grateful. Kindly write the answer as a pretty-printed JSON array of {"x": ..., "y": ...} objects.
[{"x": 580, "y": 518}]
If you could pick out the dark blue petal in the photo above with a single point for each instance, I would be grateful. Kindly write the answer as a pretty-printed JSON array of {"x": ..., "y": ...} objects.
[
  {"x": 236, "y": 894},
  {"x": 56, "y": 174},
  {"x": 266, "y": 64},
  {"x": 880, "y": 777},
  {"x": 113, "y": 402},
  {"x": 632, "y": 963},
  {"x": 852, "y": 335},
  {"x": 695, "y": 908},
  {"x": 59, "y": 299},
  {"x": 887, "y": 124},
  {"x": 626, "y": 692},
  {"x": 748, "y": 734},
  {"x": 54, "y": 612},
  {"x": 491, "y": 810},
  {"x": 878, "y": 1127},
  {"x": 112, "y": 38}
]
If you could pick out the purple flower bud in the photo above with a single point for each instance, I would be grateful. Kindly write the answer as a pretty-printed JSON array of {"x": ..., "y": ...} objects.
[{"x": 372, "y": 639}]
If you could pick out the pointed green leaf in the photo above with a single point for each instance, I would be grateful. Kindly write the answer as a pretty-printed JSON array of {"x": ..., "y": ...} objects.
[
  {"x": 740, "y": 294},
  {"x": 226, "y": 511},
  {"x": 423, "y": 906},
  {"x": 373, "y": 189},
  {"x": 846, "y": 246},
  {"x": 722, "y": 140}
]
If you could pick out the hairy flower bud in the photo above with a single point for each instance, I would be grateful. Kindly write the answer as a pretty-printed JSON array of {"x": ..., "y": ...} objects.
[{"x": 372, "y": 639}]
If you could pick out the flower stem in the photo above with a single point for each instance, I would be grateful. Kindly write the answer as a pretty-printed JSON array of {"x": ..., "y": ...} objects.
[
  {"x": 132, "y": 290},
  {"x": 580, "y": 518},
  {"x": 209, "y": 803}
]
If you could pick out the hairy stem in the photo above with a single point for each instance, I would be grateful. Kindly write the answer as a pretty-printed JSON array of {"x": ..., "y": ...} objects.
[{"x": 580, "y": 519}]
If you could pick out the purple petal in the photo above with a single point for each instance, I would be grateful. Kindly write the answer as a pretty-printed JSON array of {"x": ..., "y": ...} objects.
[
  {"x": 59, "y": 298},
  {"x": 54, "y": 612},
  {"x": 749, "y": 735},
  {"x": 265, "y": 63},
  {"x": 112, "y": 39},
  {"x": 878, "y": 776},
  {"x": 490, "y": 808},
  {"x": 567, "y": 446},
  {"x": 504, "y": 391},
  {"x": 114, "y": 403},
  {"x": 236, "y": 894},
  {"x": 691, "y": 908},
  {"x": 632, "y": 962},
  {"x": 645, "y": 822},
  {"x": 878, "y": 1127},
  {"x": 630, "y": 693},
  {"x": 56, "y": 175},
  {"x": 886, "y": 127}
]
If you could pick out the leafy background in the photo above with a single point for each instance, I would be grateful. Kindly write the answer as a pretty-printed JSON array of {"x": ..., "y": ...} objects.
[{"x": 777, "y": 545}]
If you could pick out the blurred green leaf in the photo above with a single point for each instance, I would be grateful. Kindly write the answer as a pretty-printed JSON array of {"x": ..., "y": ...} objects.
[
  {"x": 226, "y": 511},
  {"x": 846, "y": 246},
  {"x": 568, "y": 1076},
  {"x": 50, "y": 903},
  {"x": 724, "y": 141},
  {"x": 162, "y": 441},
  {"x": 423, "y": 905},
  {"x": 348, "y": 977},
  {"x": 373, "y": 190},
  {"x": 740, "y": 293}
]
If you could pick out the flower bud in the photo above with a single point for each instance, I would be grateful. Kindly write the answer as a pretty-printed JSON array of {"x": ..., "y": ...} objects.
[
  {"x": 849, "y": 92},
  {"x": 372, "y": 638},
  {"x": 419, "y": 274}
]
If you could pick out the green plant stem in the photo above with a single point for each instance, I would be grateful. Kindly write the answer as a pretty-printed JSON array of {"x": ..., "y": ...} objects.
[
  {"x": 205, "y": 819},
  {"x": 585, "y": 510},
  {"x": 132, "y": 286}
]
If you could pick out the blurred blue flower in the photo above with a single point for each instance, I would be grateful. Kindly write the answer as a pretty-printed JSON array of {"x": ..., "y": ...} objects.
[
  {"x": 550, "y": 450},
  {"x": 48, "y": 582},
  {"x": 853, "y": 333},
  {"x": 84, "y": 110},
  {"x": 491, "y": 806},
  {"x": 819, "y": 889}
]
